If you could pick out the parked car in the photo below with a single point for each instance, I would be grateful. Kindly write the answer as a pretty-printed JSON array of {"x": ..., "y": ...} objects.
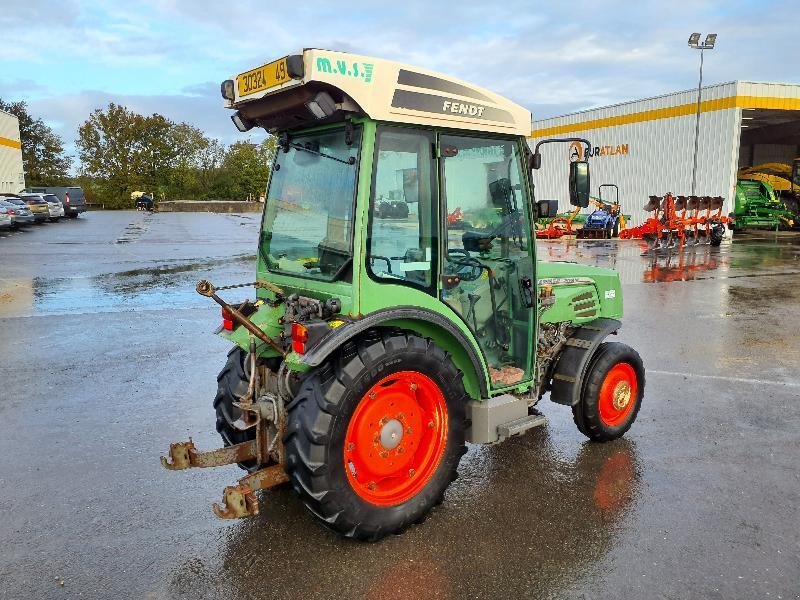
[
  {"x": 71, "y": 197},
  {"x": 5, "y": 218},
  {"x": 55, "y": 206},
  {"x": 21, "y": 216},
  {"x": 38, "y": 206}
]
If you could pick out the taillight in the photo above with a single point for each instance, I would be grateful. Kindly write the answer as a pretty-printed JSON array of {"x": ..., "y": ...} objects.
[
  {"x": 66, "y": 198},
  {"x": 11, "y": 211},
  {"x": 227, "y": 320},
  {"x": 299, "y": 338}
]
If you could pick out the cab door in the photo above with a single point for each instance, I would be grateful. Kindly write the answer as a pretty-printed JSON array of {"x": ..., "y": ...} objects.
[{"x": 487, "y": 250}]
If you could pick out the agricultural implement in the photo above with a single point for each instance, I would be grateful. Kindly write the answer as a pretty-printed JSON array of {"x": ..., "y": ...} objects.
[
  {"x": 374, "y": 349},
  {"x": 758, "y": 206},
  {"x": 681, "y": 220},
  {"x": 559, "y": 226}
]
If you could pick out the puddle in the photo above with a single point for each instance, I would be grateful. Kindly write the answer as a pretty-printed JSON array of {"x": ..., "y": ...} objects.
[{"x": 165, "y": 285}]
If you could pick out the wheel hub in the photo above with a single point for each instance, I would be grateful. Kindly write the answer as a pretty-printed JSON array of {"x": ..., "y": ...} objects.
[
  {"x": 391, "y": 434},
  {"x": 622, "y": 395},
  {"x": 396, "y": 437}
]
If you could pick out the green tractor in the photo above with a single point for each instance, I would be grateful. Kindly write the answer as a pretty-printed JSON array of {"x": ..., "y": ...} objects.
[{"x": 376, "y": 348}]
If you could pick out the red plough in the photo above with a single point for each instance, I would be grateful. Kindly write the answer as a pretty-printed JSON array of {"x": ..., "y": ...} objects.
[{"x": 676, "y": 221}]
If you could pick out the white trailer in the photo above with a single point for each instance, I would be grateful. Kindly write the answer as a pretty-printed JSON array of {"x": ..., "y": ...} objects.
[
  {"x": 646, "y": 147},
  {"x": 12, "y": 175}
]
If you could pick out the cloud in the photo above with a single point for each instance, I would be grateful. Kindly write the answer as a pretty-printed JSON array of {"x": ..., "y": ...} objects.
[{"x": 168, "y": 56}]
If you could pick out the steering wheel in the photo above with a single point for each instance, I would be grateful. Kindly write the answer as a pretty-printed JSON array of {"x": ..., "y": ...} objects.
[{"x": 475, "y": 266}]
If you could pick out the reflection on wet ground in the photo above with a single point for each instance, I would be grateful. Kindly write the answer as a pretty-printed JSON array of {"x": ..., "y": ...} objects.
[
  {"x": 482, "y": 511},
  {"x": 753, "y": 254},
  {"x": 146, "y": 274},
  {"x": 700, "y": 499}
]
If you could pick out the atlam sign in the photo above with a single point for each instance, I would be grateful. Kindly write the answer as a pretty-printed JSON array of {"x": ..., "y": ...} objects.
[{"x": 578, "y": 151}]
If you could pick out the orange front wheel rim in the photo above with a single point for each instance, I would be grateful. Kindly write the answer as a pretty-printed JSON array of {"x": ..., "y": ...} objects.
[
  {"x": 396, "y": 438},
  {"x": 618, "y": 394}
]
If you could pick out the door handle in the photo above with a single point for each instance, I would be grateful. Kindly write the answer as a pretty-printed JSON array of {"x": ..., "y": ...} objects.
[{"x": 526, "y": 289}]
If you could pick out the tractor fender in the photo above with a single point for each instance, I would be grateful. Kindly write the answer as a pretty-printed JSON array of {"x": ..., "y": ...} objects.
[
  {"x": 570, "y": 370},
  {"x": 320, "y": 352}
]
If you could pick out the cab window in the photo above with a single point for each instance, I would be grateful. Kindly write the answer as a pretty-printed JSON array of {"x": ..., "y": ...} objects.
[{"x": 401, "y": 245}]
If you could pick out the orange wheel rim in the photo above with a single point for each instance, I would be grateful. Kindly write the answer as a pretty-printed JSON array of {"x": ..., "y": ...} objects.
[
  {"x": 618, "y": 394},
  {"x": 396, "y": 438}
]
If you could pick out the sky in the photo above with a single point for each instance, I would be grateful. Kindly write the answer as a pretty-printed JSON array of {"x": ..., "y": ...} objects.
[{"x": 68, "y": 57}]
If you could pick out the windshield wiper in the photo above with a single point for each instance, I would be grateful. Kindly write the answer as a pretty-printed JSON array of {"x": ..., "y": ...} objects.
[{"x": 350, "y": 161}]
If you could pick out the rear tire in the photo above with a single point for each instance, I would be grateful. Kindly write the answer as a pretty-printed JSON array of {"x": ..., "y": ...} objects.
[
  {"x": 717, "y": 234},
  {"x": 232, "y": 384},
  {"x": 340, "y": 458},
  {"x": 612, "y": 393}
]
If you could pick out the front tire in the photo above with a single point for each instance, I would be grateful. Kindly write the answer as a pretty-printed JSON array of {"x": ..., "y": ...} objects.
[
  {"x": 612, "y": 393},
  {"x": 375, "y": 435}
]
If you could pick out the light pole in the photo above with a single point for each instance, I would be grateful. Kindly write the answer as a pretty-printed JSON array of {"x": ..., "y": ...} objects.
[{"x": 708, "y": 44}]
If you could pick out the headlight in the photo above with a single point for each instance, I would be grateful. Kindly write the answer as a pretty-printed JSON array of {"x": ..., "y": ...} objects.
[{"x": 242, "y": 123}]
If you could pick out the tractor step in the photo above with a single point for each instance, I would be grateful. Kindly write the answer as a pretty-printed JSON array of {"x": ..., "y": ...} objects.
[{"x": 519, "y": 426}]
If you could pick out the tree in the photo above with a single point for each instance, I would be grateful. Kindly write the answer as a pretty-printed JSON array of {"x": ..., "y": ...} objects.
[
  {"x": 43, "y": 156},
  {"x": 124, "y": 151},
  {"x": 246, "y": 168},
  {"x": 198, "y": 164}
]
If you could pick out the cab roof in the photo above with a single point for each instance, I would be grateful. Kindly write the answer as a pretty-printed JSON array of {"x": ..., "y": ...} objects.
[{"x": 320, "y": 86}]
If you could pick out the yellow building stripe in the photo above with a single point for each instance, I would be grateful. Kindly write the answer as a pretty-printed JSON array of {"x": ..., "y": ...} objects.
[
  {"x": 680, "y": 110},
  {"x": 9, "y": 142}
]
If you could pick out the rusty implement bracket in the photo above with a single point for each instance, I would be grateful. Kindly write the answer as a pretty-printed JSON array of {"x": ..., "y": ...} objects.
[
  {"x": 206, "y": 288},
  {"x": 184, "y": 455},
  {"x": 239, "y": 501}
]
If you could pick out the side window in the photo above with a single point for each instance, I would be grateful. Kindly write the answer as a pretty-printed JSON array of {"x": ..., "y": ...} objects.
[{"x": 402, "y": 242}]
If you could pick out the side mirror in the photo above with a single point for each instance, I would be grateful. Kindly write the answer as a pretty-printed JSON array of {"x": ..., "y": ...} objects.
[
  {"x": 535, "y": 161},
  {"x": 579, "y": 184},
  {"x": 546, "y": 208}
]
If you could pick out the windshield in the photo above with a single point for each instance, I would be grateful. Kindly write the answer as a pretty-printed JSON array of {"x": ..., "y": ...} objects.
[{"x": 308, "y": 219}]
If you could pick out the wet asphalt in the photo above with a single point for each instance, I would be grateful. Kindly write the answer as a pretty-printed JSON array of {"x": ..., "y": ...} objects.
[{"x": 107, "y": 355}]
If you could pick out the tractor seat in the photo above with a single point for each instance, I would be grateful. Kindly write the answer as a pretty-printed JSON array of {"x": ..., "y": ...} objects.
[
  {"x": 717, "y": 202},
  {"x": 693, "y": 203},
  {"x": 653, "y": 204}
]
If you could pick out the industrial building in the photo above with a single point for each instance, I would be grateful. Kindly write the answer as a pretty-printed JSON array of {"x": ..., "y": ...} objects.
[
  {"x": 646, "y": 147},
  {"x": 12, "y": 175}
]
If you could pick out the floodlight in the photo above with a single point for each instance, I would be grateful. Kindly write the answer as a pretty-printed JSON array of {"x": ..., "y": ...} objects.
[
  {"x": 694, "y": 39},
  {"x": 711, "y": 38}
]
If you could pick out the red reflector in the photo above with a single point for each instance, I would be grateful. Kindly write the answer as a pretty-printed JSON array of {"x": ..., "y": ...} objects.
[
  {"x": 227, "y": 320},
  {"x": 299, "y": 338}
]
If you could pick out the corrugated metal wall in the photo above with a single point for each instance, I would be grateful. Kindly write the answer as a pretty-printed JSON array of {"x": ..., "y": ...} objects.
[
  {"x": 11, "y": 173},
  {"x": 660, "y": 149}
]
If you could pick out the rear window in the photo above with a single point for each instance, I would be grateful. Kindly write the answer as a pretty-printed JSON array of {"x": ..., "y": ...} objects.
[
  {"x": 75, "y": 193},
  {"x": 33, "y": 199},
  {"x": 51, "y": 198}
]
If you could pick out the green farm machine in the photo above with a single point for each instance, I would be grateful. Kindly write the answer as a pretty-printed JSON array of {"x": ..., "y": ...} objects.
[
  {"x": 760, "y": 204},
  {"x": 376, "y": 348}
]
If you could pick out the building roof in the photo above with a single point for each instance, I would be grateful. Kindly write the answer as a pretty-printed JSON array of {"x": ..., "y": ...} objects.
[
  {"x": 721, "y": 96},
  {"x": 381, "y": 89}
]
